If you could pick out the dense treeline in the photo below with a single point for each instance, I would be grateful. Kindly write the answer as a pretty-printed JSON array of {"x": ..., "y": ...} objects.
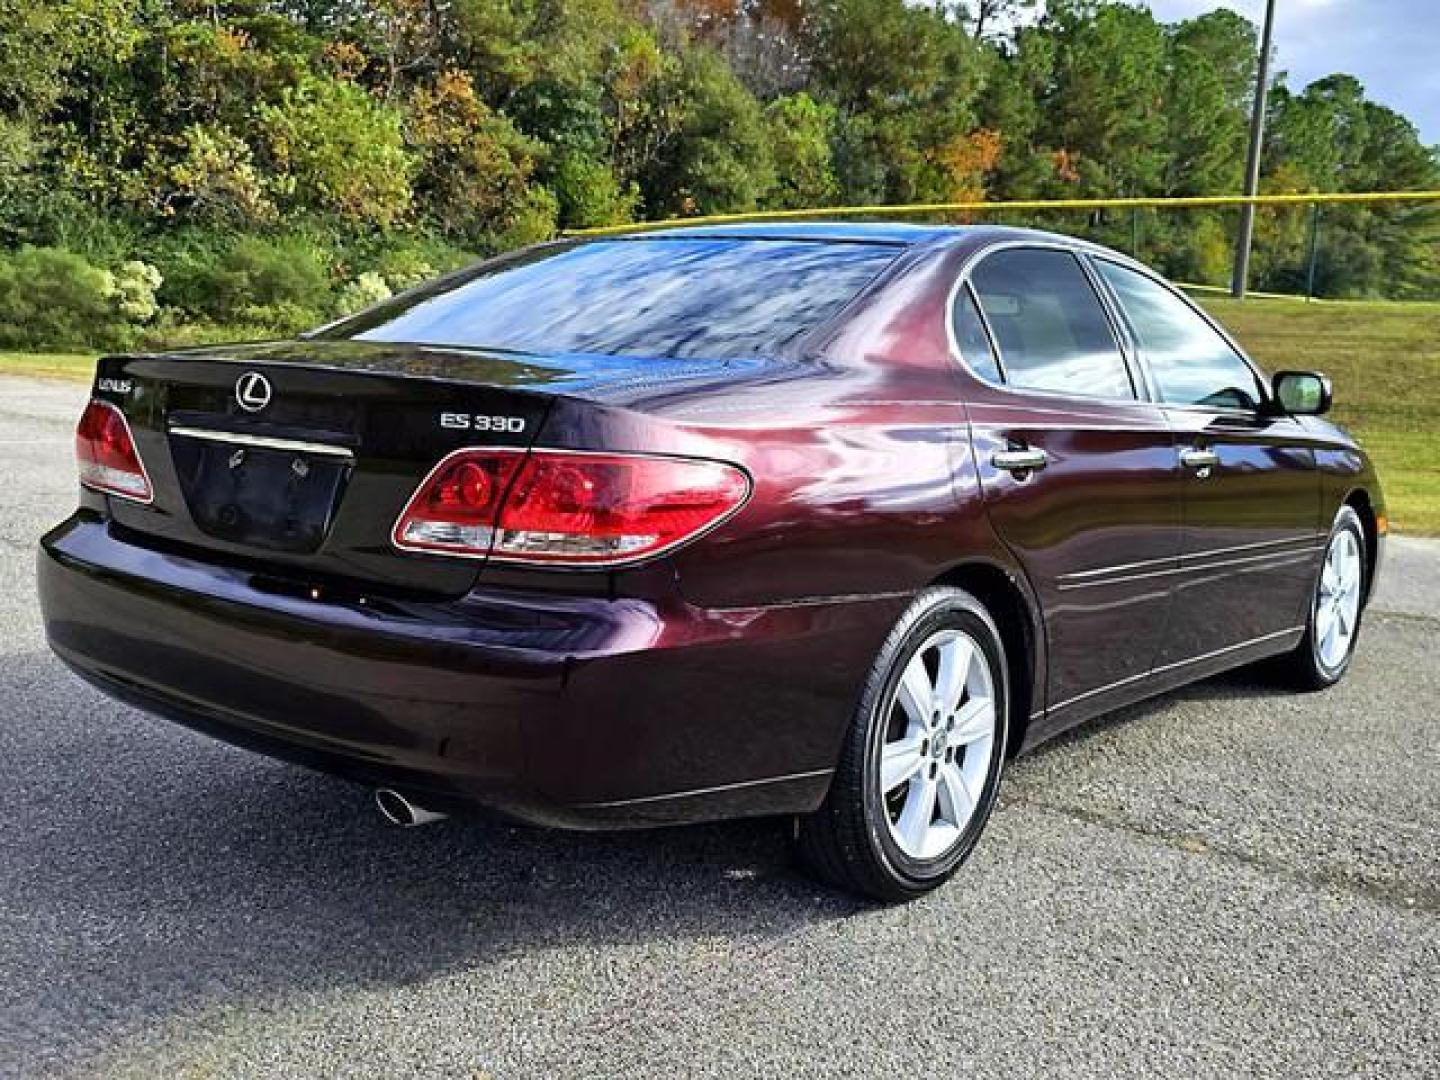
[{"x": 263, "y": 164}]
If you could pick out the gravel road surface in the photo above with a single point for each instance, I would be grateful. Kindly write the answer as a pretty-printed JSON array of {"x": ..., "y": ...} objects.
[{"x": 1228, "y": 880}]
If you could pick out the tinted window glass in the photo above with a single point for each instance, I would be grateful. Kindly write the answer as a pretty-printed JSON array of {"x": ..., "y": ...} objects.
[
  {"x": 1052, "y": 332},
  {"x": 973, "y": 341},
  {"x": 692, "y": 299},
  {"x": 1192, "y": 364}
]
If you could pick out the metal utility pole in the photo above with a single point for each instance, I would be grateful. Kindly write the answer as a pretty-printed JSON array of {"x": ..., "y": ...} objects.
[{"x": 1252, "y": 159}]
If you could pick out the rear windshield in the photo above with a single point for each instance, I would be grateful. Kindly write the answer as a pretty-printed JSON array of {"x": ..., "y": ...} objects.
[{"x": 691, "y": 299}]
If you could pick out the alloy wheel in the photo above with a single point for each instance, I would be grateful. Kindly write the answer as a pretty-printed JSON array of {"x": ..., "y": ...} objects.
[
  {"x": 939, "y": 739},
  {"x": 1337, "y": 607}
]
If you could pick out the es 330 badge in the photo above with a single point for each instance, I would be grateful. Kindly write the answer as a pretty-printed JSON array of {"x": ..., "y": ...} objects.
[{"x": 457, "y": 421}]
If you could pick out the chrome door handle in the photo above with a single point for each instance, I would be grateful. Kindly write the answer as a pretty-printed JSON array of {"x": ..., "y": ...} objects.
[
  {"x": 1196, "y": 458},
  {"x": 1019, "y": 460}
]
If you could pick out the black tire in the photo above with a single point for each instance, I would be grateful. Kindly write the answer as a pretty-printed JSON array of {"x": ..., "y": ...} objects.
[
  {"x": 1305, "y": 668},
  {"x": 847, "y": 843}
]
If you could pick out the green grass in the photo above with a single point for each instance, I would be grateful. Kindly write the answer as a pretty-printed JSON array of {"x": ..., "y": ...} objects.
[
  {"x": 80, "y": 366},
  {"x": 1385, "y": 362},
  {"x": 1383, "y": 357}
]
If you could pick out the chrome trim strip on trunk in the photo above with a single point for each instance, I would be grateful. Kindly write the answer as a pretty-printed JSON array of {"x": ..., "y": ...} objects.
[{"x": 264, "y": 442}]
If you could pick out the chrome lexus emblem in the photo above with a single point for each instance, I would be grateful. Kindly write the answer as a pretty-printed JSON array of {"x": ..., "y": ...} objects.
[{"x": 252, "y": 391}]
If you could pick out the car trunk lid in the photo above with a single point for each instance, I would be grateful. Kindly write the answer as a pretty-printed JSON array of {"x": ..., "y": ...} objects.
[{"x": 299, "y": 456}]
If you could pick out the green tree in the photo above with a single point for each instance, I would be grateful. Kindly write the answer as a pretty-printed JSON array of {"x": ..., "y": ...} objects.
[
  {"x": 393, "y": 137},
  {"x": 799, "y": 129},
  {"x": 335, "y": 149},
  {"x": 1330, "y": 138},
  {"x": 588, "y": 193},
  {"x": 209, "y": 173},
  {"x": 1104, "y": 106},
  {"x": 1016, "y": 79},
  {"x": 56, "y": 298},
  {"x": 43, "y": 48},
  {"x": 718, "y": 155},
  {"x": 1211, "y": 68},
  {"x": 474, "y": 166},
  {"x": 904, "y": 81}
]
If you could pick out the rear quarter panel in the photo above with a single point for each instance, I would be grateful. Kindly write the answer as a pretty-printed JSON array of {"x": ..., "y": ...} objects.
[
  {"x": 864, "y": 482},
  {"x": 865, "y": 492}
]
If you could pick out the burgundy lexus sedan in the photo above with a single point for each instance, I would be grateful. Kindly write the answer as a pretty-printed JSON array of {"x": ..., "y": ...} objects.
[{"x": 818, "y": 520}]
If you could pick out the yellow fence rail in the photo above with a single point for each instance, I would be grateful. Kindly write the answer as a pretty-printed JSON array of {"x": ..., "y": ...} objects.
[{"x": 1023, "y": 205}]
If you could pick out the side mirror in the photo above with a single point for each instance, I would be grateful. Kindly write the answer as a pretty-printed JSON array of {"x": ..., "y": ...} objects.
[{"x": 1302, "y": 393}]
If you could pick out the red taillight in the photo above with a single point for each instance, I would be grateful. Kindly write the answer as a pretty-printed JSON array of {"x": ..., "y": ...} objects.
[
  {"x": 605, "y": 508},
  {"x": 455, "y": 507},
  {"x": 575, "y": 508},
  {"x": 106, "y": 454}
]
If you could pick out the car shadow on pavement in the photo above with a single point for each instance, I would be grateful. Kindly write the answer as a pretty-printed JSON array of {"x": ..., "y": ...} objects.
[
  {"x": 1250, "y": 683},
  {"x": 151, "y": 872}
]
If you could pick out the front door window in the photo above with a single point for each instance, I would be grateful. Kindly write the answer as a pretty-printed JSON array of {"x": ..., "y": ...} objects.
[{"x": 1190, "y": 362}]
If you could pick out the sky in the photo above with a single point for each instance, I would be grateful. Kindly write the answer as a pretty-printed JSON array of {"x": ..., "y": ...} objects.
[{"x": 1391, "y": 46}]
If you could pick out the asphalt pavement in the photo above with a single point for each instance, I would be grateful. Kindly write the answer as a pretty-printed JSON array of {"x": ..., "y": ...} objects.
[{"x": 1229, "y": 880}]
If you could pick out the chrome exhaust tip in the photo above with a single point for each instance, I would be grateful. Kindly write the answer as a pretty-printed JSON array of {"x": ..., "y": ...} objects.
[{"x": 398, "y": 810}]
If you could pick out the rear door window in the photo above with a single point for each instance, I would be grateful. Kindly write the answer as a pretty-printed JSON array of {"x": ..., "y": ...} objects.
[
  {"x": 1051, "y": 330},
  {"x": 689, "y": 298}
]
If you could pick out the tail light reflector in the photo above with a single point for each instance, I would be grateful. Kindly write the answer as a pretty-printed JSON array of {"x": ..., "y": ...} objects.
[
  {"x": 106, "y": 455},
  {"x": 567, "y": 507}
]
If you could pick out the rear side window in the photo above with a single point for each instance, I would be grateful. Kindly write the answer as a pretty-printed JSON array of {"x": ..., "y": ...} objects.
[
  {"x": 692, "y": 298},
  {"x": 970, "y": 335},
  {"x": 1191, "y": 363},
  {"x": 1049, "y": 325}
]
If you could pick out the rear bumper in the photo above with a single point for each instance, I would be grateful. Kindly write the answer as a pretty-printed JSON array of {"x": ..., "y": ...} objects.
[{"x": 566, "y": 710}]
